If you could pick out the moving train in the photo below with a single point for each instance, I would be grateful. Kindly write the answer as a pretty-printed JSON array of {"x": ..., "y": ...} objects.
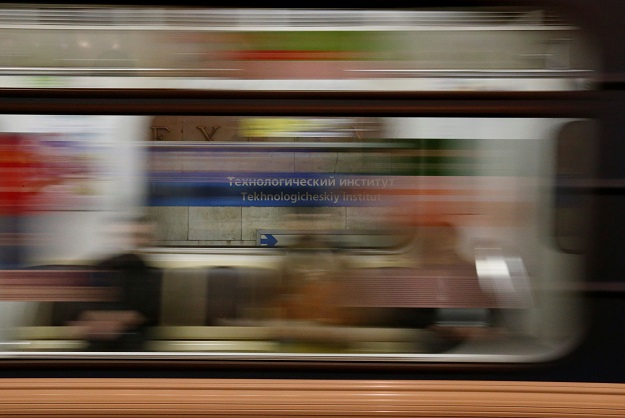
[{"x": 365, "y": 211}]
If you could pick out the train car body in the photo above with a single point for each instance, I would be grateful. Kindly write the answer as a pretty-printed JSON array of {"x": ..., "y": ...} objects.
[{"x": 342, "y": 204}]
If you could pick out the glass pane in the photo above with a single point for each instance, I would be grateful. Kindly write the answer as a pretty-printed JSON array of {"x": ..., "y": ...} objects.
[{"x": 342, "y": 237}]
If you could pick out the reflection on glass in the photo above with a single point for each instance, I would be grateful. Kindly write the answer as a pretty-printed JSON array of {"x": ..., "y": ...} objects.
[{"x": 416, "y": 237}]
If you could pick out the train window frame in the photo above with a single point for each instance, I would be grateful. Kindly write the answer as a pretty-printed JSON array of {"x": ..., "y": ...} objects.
[{"x": 195, "y": 259}]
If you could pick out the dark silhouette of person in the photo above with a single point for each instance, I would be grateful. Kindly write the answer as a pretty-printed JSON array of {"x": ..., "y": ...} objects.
[{"x": 122, "y": 324}]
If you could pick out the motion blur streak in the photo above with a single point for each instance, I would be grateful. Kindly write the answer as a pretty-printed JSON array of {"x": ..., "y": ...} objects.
[{"x": 294, "y": 398}]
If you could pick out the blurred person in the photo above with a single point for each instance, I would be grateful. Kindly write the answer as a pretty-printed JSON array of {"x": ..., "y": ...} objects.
[
  {"x": 122, "y": 324},
  {"x": 437, "y": 246},
  {"x": 309, "y": 282},
  {"x": 310, "y": 271},
  {"x": 437, "y": 249}
]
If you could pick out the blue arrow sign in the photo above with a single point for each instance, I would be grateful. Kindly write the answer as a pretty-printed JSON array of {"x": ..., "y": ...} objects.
[{"x": 269, "y": 240}]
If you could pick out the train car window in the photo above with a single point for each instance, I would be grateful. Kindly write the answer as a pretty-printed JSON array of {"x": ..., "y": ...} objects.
[
  {"x": 356, "y": 186},
  {"x": 418, "y": 236},
  {"x": 576, "y": 161}
]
